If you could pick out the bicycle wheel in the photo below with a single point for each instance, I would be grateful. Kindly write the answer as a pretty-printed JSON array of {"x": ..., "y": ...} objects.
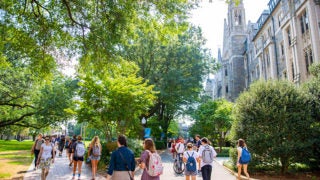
[{"x": 177, "y": 169}]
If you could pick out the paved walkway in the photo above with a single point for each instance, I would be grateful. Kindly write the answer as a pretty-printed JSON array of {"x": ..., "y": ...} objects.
[{"x": 60, "y": 170}]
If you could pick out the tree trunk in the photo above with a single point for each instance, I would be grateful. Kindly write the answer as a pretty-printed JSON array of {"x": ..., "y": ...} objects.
[{"x": 284, "y": 164}]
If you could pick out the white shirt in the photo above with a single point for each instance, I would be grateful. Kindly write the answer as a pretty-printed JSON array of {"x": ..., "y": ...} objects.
[
  {"x": 179, "y": 147},
  {"x": 195, "y": 154},
  {"x": 202, "y": 147},
  {"x": 47, "y": 149}
]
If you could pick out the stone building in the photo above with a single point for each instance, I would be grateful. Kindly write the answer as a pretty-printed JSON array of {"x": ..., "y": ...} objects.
[{"x": 282, "y": 44}]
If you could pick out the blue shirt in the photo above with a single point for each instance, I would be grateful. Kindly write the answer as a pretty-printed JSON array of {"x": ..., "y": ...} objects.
[{"x": 118, "y": 163}]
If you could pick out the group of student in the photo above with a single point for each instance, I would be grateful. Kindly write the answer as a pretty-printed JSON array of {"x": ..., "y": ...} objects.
[
  {"x": 201, "y": 153},
  {"x": 197, "y": 156},
  {"x": 44, "y": 149}
]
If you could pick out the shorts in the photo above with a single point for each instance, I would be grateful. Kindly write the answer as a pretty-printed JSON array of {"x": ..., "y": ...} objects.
[
  {"x": 45, "y": 163},
  {"x": 76, "y": 158},
  {"x": 92, "y": 157},
  {"x": 190, "y": 173}
]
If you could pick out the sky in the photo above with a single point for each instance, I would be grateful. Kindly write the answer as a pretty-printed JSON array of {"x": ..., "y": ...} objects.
[{"x": 210, "y": 17}]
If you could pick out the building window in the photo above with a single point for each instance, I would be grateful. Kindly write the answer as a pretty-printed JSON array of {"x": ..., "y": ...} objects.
[
  {"x": 227, "y": 89},
  {"x": 292, "y": 69},
  {"x": 282, "y": 49},
  {"x": 226, "y": 72},
  {"x": 284, "y": 74},
  {"x": 289, "y": 36},
  {"x": 304, "y": 22},
  {"x": 308, "y": 58},
  {"x": 257, "y": 72}
]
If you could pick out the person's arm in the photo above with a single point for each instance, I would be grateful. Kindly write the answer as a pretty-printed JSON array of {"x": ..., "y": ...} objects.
[
  {"x": 184, "y": 157},
  {"x": 53, "y": 153},
  {"x": 40, "y": 154},
  {"x": 89, "y": 150},
  {"x": 33, "y": 146},
  {"x": 239, "y": 155}
]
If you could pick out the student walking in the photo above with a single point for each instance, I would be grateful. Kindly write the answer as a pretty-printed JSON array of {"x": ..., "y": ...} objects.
[
  {"x": 46, "y": 157},
  {"x": 73, "y": 142},
  {"x": 78, "y": 153},
  {"x": 36, "y": 149},
  {"x": 173, "y": 149},
  {"x": 207, "y": 153},
  {"x": 147, "y": 159},
  {"x": 122, "y": 162},
  {"x": 67, "y": 146},
  {"x": 242, "y": 145},
  {"x": 190, "y": 157},
  {"x": 94, "y": 153}
]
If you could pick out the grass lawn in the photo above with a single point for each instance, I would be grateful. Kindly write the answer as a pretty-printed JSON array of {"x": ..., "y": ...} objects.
[{"x": 15, "y": 158}]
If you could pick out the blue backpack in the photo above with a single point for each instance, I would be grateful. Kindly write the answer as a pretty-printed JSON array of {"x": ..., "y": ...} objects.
[
  {"x": 191, "y": 163},
  {"x": 245, "y": 156}
]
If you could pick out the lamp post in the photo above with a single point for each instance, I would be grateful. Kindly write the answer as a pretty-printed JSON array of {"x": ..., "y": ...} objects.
[{"x": 143, "y": 122}]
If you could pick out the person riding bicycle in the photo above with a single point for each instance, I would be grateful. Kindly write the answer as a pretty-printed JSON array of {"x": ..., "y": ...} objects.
[{"x": 180, "y": 150}]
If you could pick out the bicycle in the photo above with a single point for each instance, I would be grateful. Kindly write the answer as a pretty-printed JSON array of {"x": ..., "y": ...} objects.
[{"x": 178, "y": 165}]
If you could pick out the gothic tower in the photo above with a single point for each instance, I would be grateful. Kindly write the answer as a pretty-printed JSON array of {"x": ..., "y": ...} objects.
[{"x": 233, "y": 74}]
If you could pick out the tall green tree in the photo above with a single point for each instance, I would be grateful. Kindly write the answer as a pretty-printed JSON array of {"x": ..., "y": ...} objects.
[
  {"x": 114, "y": 98},
  {"x": 213, "y": 119},
  {"x": 274, "y": 119}
]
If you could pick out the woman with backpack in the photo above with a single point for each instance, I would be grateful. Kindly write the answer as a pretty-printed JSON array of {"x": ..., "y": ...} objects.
[
  {"x": 190, "y": 157},
  {"x": 241, "y": 144},
  {"x": 67, "y": 146},
  {"x": 146, "y": 159},
  {"x": 46, "y": 157},
  {"x": 78, "y": 154},
  {"x": 207, "y": 153},
  {"x": 122, "y": 162},
  {"x": 94, "y": 153}
]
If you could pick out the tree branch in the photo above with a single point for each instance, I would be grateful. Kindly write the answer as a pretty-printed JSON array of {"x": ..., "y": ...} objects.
[{"x": 14, "y": 121}]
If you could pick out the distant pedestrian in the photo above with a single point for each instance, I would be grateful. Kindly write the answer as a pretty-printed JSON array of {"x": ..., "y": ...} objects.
[
  {"x": 198, "y": 144},
  {"x": 207, "y": 153},
  {"x": 73, "y": 143},
  {"x": 191, "y": 169},
  {"x": 36, "y": 149},
  {"x": 146, "y": 161},
  {"x": 62, "y": 142},
  {"x": 46, "y": 157},
  {"x": 78, "y": 154},
  {"x": 122, "y": 162},
  {"x": 68, "y": 147},
  {"x": 173, "y": 149},
  {"x": 241, "y": 144},
  {"x": 94, "y": 153}
]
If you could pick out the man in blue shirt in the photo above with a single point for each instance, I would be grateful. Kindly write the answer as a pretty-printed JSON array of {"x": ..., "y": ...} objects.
[{"x": 122, "y": 163}]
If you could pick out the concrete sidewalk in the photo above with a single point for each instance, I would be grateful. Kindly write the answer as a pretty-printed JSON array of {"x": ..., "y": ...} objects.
[{"x": 60, "y": 170}]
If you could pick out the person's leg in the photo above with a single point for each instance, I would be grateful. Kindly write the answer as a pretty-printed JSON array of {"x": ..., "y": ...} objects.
[
  {"x": 36, "y": 154},
  {"x": 187, "y": 177},
  {"x": 239, "y": 171},
  {"x": 46, "y": 172},
  {"x": 74, "y": 168},
  {"x": 71, "y": 159},
  {"x": 193, "y": 177},
  {"x": 245, "y": 170},
  {"x": 79, "y": 168},
  {"x": 204, "y": 173},
  {"x": 94, "y": 168},
  {"x": 43, "y": 174},
  {"x": 209, "y": 171}
]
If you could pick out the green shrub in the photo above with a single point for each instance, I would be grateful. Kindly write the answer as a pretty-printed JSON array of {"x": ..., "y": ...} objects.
[
  {"x": 160, "y": 145},
  {"x": 224, "y": 152}
]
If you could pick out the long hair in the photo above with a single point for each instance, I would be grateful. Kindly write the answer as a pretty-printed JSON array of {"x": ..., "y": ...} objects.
[
  {"x": 149, "y": 145},
  {"x": 241, "y": 143},
  {"x": 95, "y": 141}
]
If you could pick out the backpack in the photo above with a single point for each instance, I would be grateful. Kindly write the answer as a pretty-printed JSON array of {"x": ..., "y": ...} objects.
[
  {"x": 67, "y": 144},
  {"x": 155, "y": 167},
  {"x": 180, "y": 148},
  {"x": 191, "y": 163},
  {"x": 245, "y": 156},
  {"x": 96, "y": 150},
  {"x": 207, "y": 154},
  {"x": 80, "y": 150}
]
